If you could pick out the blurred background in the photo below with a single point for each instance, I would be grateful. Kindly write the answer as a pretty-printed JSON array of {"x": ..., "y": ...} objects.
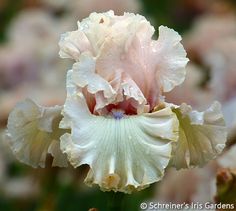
[{"x": 30, "y": 67}]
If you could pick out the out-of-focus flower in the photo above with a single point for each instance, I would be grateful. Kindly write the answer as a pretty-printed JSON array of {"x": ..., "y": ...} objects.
[
  {"x": 229, "y": 111},
  {"x": 38, "y": 28},
  {"x": 191, "y": 91},
  {"x": 201, "y": 191},
  {"x": 213, "y": 41},
  {"x": 42, "y": 32},
  {"x": 82, "y": 8},
  {"x": 21, "y": 187},
  {"x": 207, "y": 31},
  {"x": 116, "y": 119},
  {"x": 16, "y": 66},
  {"x": 228, "y": 159},
  {"x": 221, "y": 60}
]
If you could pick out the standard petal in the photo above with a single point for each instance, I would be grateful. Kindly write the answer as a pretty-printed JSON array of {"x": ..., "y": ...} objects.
[
  {"x": 124, "y": 154},
  {"x": 84, "y": 75},
  {"x": 34, "y": 132},
  {"x": 123, "y": 45},
  {"x": 72, "y": 44},
  {"x": 202, "y": 136},
  {"x": 170, "y": 58},
  {"x": 89, "y": 37}
]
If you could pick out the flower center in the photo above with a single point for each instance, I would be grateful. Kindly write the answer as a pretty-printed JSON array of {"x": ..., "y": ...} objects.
[{"x": 117, "y": 113}]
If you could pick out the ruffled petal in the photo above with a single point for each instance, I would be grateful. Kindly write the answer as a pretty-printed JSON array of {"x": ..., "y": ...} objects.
[
  {"x": 202, "y": 136},
  {"x": 130, "y": 54},
  {"x": 89, "y": 37},
  {"x": 84, "y": 75},
  {"x": 72, "y": 44},
  {"x": 123, "y": 45},
  {"x": 34, "y": 132},
  {"x": 171, "y": 58},
  {"x": 124, "y": 154}
]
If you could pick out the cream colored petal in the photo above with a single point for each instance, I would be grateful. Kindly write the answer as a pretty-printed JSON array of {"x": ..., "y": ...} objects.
[
  {"x": 171, "y": 58},
  {"x": 202, "y": 136},
  {"x": 124, "y": 155},
  {"x": 34, "y": 132}
]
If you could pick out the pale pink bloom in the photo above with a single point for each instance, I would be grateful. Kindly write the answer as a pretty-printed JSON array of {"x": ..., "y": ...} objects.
[{"x": 115, "y": 119}]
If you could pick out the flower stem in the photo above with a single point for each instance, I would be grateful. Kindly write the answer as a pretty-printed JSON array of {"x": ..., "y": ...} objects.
[{"x": 115, "y": 201}]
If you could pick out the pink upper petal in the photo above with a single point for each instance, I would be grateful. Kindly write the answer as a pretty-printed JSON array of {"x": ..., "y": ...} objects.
[{"x": 127, "y": 64}]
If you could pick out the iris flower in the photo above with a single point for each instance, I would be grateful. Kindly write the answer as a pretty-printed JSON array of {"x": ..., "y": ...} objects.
[{"x": 115, "y": 118}]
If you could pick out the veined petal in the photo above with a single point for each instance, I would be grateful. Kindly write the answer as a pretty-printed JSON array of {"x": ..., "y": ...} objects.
[
  {"x": 34, "y": 132},
  {"x": 171, "y": 59},
  {"x": 124, "y": 154},
  {"x": 202, "y": 136}
]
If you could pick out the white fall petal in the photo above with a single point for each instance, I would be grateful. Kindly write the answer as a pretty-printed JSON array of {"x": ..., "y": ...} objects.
[
  {"x": 202, "y": 136},
  {"x": 123, "y": 154},
  {"x": 34, "y": 132}
]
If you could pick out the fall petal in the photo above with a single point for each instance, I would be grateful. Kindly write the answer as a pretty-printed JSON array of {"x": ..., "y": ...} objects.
[
  {"x": 34, "y": 132},
  {"x": 202, "y": 136},
  {"x": 124, "y": 154}
]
